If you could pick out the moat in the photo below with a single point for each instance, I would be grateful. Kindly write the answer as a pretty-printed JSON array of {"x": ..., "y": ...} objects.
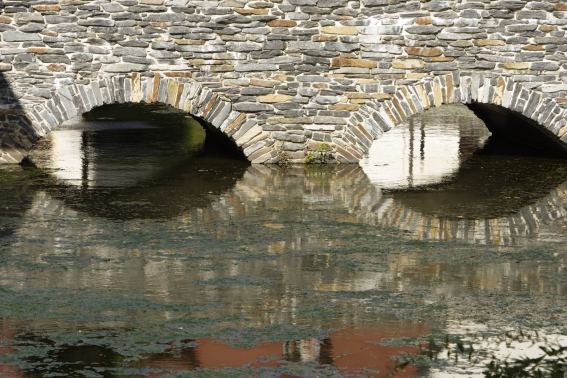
[{"x": 138, "y": 245}]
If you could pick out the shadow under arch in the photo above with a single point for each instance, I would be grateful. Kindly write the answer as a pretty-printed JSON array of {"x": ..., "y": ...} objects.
[
  {"x": 509, "y": 109},
  {"x": 180, "y": 188},
  {"x": 490, "y": 181},
  {"x": 136, "y": 161},
  {"x": 165, "y": 116},
  {"x": 182, "y": 93}
]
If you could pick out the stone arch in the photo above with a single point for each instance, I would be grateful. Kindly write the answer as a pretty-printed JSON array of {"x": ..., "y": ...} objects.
[
  {"x": 377, "y": 117},
  {"x": 185, "y": 94}
]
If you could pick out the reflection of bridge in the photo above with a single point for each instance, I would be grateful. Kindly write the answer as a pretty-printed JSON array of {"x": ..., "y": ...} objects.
[
  {"x": 345, "y": 352},
  {"x": 366, "y": 203},
  {"x": 528, "y": 223},
  {"x": 274, "y": 218},
  {"x": 286, "y": 76},
  {"x": 457, "y": 209},
  {"x": 345, "y": 192},
  {"x": 341, "y": 194}
]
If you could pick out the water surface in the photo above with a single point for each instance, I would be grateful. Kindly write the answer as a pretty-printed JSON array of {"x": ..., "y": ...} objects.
[{"x": 134, "y": 251}]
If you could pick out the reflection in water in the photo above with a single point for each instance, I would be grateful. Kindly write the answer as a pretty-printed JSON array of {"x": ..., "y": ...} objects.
[
  {"x": 513, "y": 353},
  {"x": 208, "y": 263},
  {"x": 346, "y": 350},
  {"x": 428, "y": 150},
  {"x": 109, "y": 152}
]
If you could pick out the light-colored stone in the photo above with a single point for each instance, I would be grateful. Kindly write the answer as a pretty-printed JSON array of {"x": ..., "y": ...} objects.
[
  {"x": 346, "y": 62},
  {"x": 489, "y": 42},
  {"x": 424, "y": 51},
  {"x": 274, "y": 98},
  {"x": 408, "y": 64},
  {"x": 280, "y": 23},
  {"x": 515, "y": 66},
  {"x": 343, "y": 30}
]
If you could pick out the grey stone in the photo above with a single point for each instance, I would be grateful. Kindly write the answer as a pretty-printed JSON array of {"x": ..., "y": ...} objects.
[
  {"x": 545, "y": 66},
  {"x": 423, "y": 29},
  {"x": 247, "y": 67},
  {"x": 330, "y": 120},
  {"x": 326, "y": 100},
  {"x": 251, "y": 107},
  {"x": 289, "y": 137},
  {"x": 16, "y": 36},
  {"x": 96, "y": 22},
  {"x": 25, "y": 18},
  {"x": 123, "y": 67},
  {"x": 32, "y": 27}
]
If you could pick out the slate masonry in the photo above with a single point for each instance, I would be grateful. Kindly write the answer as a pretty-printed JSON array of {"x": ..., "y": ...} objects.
[{"x": 282, "y": 75}]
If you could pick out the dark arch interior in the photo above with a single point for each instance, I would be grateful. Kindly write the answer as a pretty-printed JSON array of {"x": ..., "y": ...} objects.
[
  {"x": 516, "y": 130},
  {"x": 215, "y": 142},
  {"x": 488, "y": 185},
  {"x": 138, "y": 161},
  {"x": 513, "y": 168},
  {"x": 128, "y": 145}
]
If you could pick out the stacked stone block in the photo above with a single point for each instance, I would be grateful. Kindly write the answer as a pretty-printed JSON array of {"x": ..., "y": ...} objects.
[{"x": 282, "y": 75}]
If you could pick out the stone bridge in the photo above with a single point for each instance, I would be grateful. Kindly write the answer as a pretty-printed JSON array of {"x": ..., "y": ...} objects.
[{"x": 285, "y": 77}]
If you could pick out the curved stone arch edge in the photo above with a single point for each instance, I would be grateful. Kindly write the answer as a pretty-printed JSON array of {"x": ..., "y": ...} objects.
[
  {"x": 185, "y": 94},
  {"x": 377, "y": 117}
]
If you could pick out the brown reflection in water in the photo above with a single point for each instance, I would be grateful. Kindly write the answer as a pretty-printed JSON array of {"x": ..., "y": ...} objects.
[
  {"x": 350, "y": 351},
  {"x": 9, "y": 370},
  {"x": 213, "y": 354},
  {"x": 7, "y": 334}
]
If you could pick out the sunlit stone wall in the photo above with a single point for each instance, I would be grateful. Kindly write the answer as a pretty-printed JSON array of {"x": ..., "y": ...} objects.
[{"x": 280, "y": 77}]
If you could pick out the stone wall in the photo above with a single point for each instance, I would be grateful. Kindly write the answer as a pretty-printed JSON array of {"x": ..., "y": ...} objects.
[{"x": 280, "y": 77}]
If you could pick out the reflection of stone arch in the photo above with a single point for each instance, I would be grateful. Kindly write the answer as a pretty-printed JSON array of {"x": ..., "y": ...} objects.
[
  {"x": 181, "y": 93},
  {"x": 481, "y": 93},
  {"x": 176, "y": 193},
  {"x": 512, "y": 230},
  {"x": 350, "y": 190},
  {"x": 343, "y": 192}
]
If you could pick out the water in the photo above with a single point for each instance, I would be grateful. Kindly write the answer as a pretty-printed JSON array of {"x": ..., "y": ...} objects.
[{"x": 135, "y": 250}]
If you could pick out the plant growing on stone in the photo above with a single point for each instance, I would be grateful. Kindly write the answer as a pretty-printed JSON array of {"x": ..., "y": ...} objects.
[
  {"x": 323, "y": 154},
  {"x": 283, "y": 159}
]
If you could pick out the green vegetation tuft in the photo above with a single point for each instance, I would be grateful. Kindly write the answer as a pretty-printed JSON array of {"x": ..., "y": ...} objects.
[{"x": 323, "y": 154}]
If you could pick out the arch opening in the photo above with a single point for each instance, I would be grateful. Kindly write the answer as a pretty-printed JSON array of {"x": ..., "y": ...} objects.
[
  {"x": 129, "y": 145},
  {"x": 520, "y": 115},
  {"x": 427, "y": 149},
  {"x": 204, "y": 138},
  {"x": 181, "y": 93},
  {"x": 520, "y": 133},
  {"x": 445, "y": 163}
]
